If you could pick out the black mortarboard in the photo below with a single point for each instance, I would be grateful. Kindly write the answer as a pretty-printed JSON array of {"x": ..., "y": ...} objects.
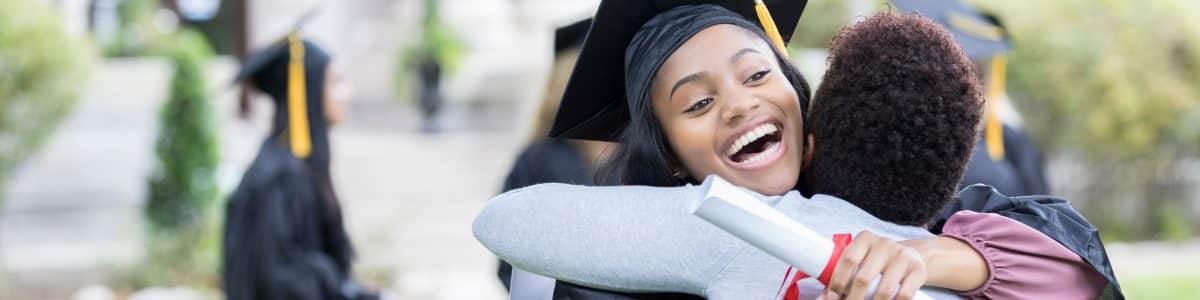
[
  {"x": 595, "y": 104},
  {"x": 571, "y": 36},
  {"x": 255, "y": 63},
  {"x": 292, "y": 72},
  {"x": 980, "y": 35}
]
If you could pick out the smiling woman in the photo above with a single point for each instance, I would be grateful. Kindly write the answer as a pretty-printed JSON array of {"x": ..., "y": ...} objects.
[
  {"x": 732, "y": 111},
  {"x": 731, "y": 103}
]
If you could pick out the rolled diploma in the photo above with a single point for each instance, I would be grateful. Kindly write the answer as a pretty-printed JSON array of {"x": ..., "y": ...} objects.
[{"x": 741, "y": 214}]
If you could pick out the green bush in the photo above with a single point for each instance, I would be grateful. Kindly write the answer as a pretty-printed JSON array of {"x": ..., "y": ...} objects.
[
  {"x": 183, "y": 188},
  {"x": 42, "y": 73}
]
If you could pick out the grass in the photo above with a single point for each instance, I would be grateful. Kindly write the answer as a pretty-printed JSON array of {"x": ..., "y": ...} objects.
[{"x": 1166, "y": 286}]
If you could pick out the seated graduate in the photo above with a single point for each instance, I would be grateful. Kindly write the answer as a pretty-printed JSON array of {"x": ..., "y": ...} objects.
[
  {"x": 284, "y": 236},
  {"x": 641, "y": 239}
]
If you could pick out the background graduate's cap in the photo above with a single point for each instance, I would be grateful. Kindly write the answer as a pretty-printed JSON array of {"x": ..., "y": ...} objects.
[
  {"x": 983, "y": 38},
  {"x": 289, "y": 50},
  {"x": 571, "y": 36},
  {"x": 255, "y": 63},
  {"x": 979, "y": 34},
  {"x": 594, "y": 105}
]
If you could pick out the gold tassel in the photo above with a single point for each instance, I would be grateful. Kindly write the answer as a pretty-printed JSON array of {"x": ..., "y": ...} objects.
[
  {"x": 768, "y": 25},
  {"x": 297, "y": 99},
  {"x": 993, "y": 131}
]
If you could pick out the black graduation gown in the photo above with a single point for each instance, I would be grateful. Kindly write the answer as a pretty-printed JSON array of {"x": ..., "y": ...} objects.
[
  {"x": 277, "y": 244},
  {"x": 1021, "y": 172},
  {"x": 1051, "y": 216}
]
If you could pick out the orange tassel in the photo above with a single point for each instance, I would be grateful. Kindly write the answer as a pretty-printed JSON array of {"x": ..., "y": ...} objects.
[
  {"x": 301, "y": 141},
  {"x": 768, "y": 25},
  {"x": 993, "y": 131}
]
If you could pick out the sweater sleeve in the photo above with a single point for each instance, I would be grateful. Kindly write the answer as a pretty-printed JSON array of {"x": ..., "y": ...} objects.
[
  {"x": 1022, "y": 262},
  {"x": 621, "y": 238}
]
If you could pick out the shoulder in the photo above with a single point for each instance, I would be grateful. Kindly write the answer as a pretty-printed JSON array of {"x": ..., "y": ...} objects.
[
  {"x": 831, "y": 215},
  {"x": 270, "y": 167},
  {"x": 547, "y": 149}
]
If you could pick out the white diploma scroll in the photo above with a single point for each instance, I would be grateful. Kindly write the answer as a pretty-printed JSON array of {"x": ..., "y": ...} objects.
[{"x": 738, "y": 212}]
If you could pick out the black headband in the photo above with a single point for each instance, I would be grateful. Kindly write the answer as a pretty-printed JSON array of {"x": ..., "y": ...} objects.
[{"x": 660, "y": 37}]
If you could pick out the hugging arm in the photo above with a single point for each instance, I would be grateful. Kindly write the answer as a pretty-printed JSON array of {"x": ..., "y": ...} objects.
[
  {"x": 622, "y": 238},
  {"x": 1021, "y": 262}
]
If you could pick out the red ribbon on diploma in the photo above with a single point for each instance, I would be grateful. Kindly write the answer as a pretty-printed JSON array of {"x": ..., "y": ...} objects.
[{"x": 840, "y": 241}]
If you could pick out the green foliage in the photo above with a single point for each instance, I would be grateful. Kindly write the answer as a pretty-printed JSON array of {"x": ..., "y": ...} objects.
[
  {"x": 42, "y": 73},
  {"x": 1173, "y": 224},
  {"x": 823, "y": 18},
  {"x": 183, "y": 187},
  {"x": 1115, "y": 84},
  {"x": 1109, "y": 79},
  {"x": 437, "y": 40},
  {"x": 1173, "y": 285}
]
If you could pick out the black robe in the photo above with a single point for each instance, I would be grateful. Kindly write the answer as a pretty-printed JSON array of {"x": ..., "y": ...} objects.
[
  {"x": 278, "y": 242},
  {"x": 1021, "y": 172},
  {"x": 1051, "y": 216},
  {"x": 283, "y": 236}
]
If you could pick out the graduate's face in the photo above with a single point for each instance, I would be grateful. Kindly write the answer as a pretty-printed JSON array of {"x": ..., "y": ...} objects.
[
  {"x": 337, "y": 95},
  {"x": 727, "y": 109}
]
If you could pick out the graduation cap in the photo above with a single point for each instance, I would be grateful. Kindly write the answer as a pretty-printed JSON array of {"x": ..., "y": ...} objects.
[
  {"x": 571, "y": 36},
  {"x": 979, "y": 34},
  {"x": 982, "y": 37},
  {"x": 594, "y": 105},
  {"x": 288, "y": 56}
]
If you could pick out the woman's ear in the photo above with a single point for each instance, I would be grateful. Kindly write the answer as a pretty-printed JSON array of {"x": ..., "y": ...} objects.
[{"x": 808, "y": 152}]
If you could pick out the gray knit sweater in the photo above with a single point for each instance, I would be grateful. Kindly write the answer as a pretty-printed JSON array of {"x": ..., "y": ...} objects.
[{"x": 642, "y": 239}]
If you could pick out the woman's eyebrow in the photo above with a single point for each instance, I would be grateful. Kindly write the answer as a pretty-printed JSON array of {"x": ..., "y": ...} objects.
[
  {"x": 739, "y": 54},
  {"x": 685, "y": 80}
]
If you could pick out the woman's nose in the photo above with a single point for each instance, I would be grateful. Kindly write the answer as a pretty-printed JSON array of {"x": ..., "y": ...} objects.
[{"x": 738, "y": 108}]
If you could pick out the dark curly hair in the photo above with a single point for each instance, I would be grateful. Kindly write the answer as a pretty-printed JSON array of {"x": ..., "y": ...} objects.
[{"x": 895, "y": 118}]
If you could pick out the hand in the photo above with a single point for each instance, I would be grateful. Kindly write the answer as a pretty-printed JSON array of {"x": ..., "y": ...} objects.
[{"x": 866, "y": 258}]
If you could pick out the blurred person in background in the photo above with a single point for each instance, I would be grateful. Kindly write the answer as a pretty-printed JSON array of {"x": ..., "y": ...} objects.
[
  {"x": 429, "y": 73},
  {"x": 284, "y": 237},
  {"x": 547, "y": 159},
  {"x": 1005, "y": 157}
]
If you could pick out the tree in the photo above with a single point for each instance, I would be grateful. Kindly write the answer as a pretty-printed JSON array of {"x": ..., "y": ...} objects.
[
  {"x": 42, "y": 73},
  {"x": 183, "y": 187}
]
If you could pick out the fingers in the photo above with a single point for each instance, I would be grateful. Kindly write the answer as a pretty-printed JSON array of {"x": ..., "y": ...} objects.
[
  {"x": 830, "y": 295},
  {"x": 878, "y": 257},
  {"x": 893, "y": 273},
  {"x": 910, "y": 285},
  {"x": 852, "y": 255},
  {"x": 901, "y": 269}
]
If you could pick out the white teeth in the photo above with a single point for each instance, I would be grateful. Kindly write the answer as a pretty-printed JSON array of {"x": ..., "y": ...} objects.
[
  {"x": 771, "y": 149},
  {"x": 751, "y": 136}
]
